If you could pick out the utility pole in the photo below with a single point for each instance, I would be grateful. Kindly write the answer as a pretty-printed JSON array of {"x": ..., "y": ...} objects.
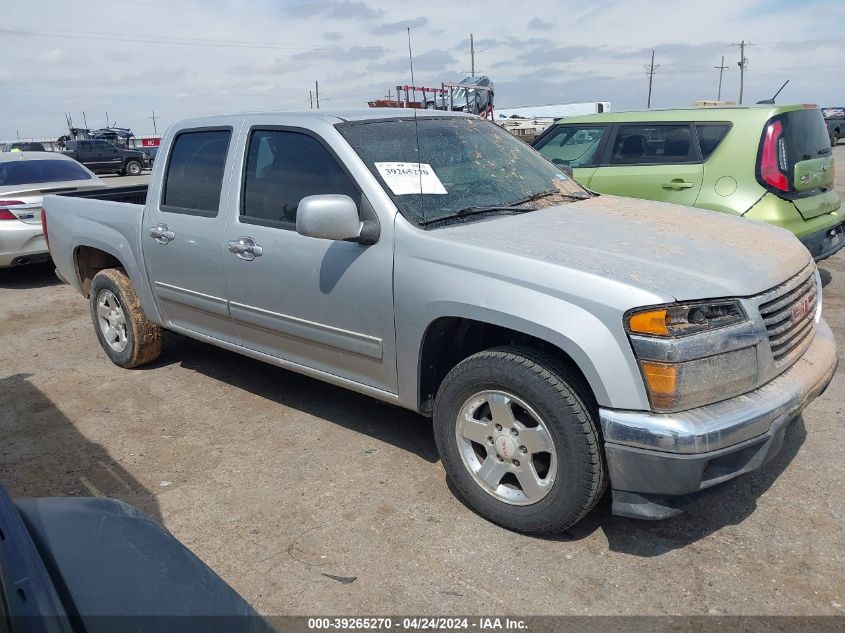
[
  {"x": 317, "y": 93},
  {"x": 721, "y": 69},
  {"x": 743, "y": 64},
  {"x": 84, "y": 120},
  {"x": 471, "y": 55},
  {"x": 153, "y": 117},
  {"x": 650, "y": 68},
  {"x": 311, "y": 98}
]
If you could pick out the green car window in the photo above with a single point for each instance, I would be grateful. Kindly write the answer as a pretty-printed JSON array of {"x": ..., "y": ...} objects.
[
  {"x": 576, "y": 146},
  {"x": 710, "y": 135},
  {"x": 650, "y": 144}
]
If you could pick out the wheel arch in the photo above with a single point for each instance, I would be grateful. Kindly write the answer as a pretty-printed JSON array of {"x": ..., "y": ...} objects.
[{"x": 595, "y": 354}]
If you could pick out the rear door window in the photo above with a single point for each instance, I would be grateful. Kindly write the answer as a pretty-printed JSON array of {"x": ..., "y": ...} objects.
[
  {"x": 573, "y": 145},
  {"x": 194, "y": 177},
  {"x": 653, "y": 144},
  {"x": 710, "y": 135}
]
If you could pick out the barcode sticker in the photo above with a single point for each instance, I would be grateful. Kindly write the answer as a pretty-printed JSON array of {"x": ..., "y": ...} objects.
[{"x": 411, "y": 178}]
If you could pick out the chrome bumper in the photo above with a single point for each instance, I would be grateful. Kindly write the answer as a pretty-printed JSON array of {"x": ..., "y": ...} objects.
[{"x": 730, "y": 422}]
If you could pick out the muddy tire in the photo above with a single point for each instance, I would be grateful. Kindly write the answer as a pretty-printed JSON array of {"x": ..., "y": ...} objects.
[
  {"x": 516, "y": 432},
  {"x": 126, "y": 335}
]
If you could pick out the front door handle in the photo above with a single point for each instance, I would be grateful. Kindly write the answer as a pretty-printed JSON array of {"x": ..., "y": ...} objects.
[
  {"x": 677, "y": 184},
  {"x": 245, "y": 248},
  {"x": 162, "y": 234}
]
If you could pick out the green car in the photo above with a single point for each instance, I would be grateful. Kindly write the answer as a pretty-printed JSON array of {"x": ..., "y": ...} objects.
[{"x": 768, "y": 163}]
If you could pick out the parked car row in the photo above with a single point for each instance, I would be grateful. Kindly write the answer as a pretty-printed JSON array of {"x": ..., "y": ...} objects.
[
  {"x": 766, "y": 163},
  {"x": 562, "y": 341}
]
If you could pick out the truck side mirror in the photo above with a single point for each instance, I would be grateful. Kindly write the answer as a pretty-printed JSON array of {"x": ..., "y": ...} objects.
[{"x": 328, "y": 217}]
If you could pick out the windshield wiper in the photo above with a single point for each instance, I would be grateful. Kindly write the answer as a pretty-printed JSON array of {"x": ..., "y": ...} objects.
[
  {"x": 468, "y": 211},
  {"x": 551, "y": 192}
]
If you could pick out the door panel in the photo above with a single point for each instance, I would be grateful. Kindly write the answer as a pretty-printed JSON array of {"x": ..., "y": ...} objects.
[
  {"x": 183, "y": 236},
  {"x": 324, "y": 304},
  {"x": 652, "y": 161}
]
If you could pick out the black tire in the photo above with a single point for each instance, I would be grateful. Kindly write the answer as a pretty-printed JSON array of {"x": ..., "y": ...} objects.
[
  {"x": 569, "y": 412},
  {"x": 133, "y": 168},
  {"x": 834, "y": 138},
  {"x": 143, "y": 337}
]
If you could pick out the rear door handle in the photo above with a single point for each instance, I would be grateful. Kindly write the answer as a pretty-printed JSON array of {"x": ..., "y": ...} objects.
[
  {"x": 162, "y": 234},
  {"x": 245, "y": 248},
  {"x": 677, "y": 184}
]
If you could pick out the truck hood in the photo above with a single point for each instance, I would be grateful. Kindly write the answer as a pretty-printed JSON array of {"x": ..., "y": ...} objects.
[{"x": 684, "y": 252}]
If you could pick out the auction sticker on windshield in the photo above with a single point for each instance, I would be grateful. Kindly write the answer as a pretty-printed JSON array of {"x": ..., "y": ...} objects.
[{"x": 408, "y": 178}]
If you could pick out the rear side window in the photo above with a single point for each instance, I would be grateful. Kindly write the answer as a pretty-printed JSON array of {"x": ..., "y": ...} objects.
[
  {"x": 710, "y": 135},
  {"x": 194, "y": 175},
  {"x": 282, "y": 168},
  {"x": 573, "y": 145},
  {"x": 649, "y": 144},
  {"x": 30, "y": 172}
]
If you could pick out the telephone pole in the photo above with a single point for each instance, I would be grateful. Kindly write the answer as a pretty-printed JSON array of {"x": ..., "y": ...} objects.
[
  {"x": 317, "y": 93},
  {"x": 721, "y": 69},
  {"x": 743, "y": 64},
  {"x": 650, "y": 68},
  {"x": 153, "y": 117},
  {"x": 471, "y": 55},
  {"x": 311, "y": 98}
]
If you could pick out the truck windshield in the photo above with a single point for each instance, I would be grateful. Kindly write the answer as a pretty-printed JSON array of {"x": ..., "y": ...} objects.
[{"x": 437, "y": 167}]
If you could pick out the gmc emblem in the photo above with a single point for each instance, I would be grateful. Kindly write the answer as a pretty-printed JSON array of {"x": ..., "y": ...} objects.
[{"x": 801, "y": 309}]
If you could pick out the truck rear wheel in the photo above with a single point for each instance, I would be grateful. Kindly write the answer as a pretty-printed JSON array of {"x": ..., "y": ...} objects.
[
  {"x": 516, "y": 431},
  {"x": 126, "y": 335}
]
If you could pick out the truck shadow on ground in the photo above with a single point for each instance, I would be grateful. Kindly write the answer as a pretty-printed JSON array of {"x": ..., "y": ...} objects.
[
  {"x": 825, "y": 276},
  {"x": 713, "y": 509},
  {"x": 30, "y": 276},
  {"x": 393, "y": 425},
  {"x": 43, "y": 454}
]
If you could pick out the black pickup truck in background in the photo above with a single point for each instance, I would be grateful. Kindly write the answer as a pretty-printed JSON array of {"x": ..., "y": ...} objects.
[
  {"x": 835, "y": 120},
  {"x": 103, "y": 157}
]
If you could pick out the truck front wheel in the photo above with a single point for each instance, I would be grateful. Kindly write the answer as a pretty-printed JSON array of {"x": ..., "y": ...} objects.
[
  {"x": 126, "y": 335},
  {"x": 133, "y": 168},
  {"x": 516, "y": 432}
]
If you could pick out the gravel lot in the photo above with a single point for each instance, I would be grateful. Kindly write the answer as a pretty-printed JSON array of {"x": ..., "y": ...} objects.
[{"x": 280, "y": 482}]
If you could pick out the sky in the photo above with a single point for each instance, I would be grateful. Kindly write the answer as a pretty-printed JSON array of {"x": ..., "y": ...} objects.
[{"x": 129, "y": 58}]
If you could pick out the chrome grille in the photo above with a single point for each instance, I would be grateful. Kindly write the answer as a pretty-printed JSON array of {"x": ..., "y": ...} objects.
[{"x": 789, "y": 331}]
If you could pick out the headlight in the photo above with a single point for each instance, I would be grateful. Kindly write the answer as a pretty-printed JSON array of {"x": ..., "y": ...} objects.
[{"x": 684, "y": 319}]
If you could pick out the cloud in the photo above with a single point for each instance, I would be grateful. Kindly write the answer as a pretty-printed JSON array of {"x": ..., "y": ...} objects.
[
  {"x": 430, "y": 61},
  {"x": 540, "y": 25},
  {"x": 335, "y": 9},
  {"x": 332, "y": 36},
  {"x": 394, "y": 27}
]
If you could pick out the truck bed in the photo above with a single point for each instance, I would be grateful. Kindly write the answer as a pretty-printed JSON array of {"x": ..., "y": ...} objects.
[{"x": 132, "y": 194}]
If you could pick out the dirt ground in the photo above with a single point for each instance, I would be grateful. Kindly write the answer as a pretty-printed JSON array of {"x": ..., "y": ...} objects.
[{"x": 281, "y": 483}]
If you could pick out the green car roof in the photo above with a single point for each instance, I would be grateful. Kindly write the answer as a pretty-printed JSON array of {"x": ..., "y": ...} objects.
[{"x": 720, "y": 113}]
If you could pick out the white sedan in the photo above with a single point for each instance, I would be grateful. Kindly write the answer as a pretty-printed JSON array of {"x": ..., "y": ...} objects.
[{"x": 24, "y": 178}]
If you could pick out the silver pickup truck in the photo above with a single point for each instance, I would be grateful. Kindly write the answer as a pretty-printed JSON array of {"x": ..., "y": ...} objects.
[{"x": 562, "y": 341}]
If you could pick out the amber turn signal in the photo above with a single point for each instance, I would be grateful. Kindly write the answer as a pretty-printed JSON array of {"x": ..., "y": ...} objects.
[{"x": 650, "y": 322}]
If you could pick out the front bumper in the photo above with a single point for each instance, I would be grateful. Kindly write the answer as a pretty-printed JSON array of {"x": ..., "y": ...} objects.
[
  {"x": 655, "y": 459},
  {"x": 822, "y": 244}
]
